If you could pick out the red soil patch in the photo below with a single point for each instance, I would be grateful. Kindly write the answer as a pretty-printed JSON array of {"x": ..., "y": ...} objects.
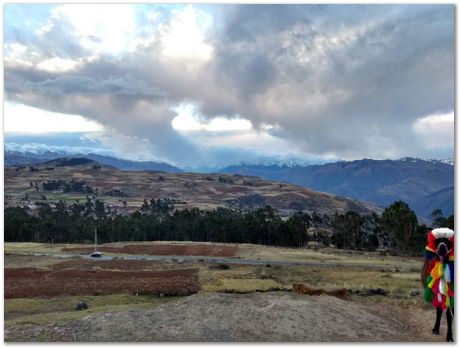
[
  {"x": 30, "y": 282},
  {"x": 189, "y": 250},
  {"x": 234, "y": 189},
  {"x": 120, "y": 265}
]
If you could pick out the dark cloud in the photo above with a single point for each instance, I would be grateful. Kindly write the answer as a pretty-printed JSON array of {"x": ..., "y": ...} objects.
[
  {"x": 249, "y": 22},
  {"x": 125, "y": 104},
  {"x": 348, "y": 81},
  {"x": 342, "y": 80},
  {"x": 125, "y": 85}
]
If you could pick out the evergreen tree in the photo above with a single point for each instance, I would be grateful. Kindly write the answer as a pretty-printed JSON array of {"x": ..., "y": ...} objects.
[{"x": 401, "y": 224}]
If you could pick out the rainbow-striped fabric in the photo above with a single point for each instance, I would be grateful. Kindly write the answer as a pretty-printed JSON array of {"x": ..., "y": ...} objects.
[{"x": 439, "y": 289}]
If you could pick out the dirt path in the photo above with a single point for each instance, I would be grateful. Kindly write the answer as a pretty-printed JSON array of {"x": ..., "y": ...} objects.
[{"x": 254, "y": 317}]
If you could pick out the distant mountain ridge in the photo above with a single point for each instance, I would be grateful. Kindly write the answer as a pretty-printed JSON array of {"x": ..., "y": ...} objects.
[
  {"x": 20, "y": 158},
  {"x": 424, "y": 184},
  {"x": 70, "y": 161}
]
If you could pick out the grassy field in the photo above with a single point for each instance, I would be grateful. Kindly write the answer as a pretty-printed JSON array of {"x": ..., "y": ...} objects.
[
  {"x": 15, "y": 261},
  {"x": 329, "y": 256},
  {"x": 257, "y": 278},
  {"x": 12, "y": 248}
]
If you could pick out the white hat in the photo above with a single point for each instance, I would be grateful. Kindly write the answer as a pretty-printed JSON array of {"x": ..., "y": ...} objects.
[{"x": 442, "y": 232}]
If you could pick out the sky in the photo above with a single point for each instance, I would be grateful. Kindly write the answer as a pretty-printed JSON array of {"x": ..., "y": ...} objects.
[{"x": 211, "y": 85}]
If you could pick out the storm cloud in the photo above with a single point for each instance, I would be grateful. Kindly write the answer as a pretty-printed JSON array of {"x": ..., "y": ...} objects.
[{"x": 335, "y": 80}]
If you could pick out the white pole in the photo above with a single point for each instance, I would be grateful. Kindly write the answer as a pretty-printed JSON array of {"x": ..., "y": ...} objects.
[{"x": 95, "y": 239}]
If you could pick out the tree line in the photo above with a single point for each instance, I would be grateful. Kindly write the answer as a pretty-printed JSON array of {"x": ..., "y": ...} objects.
[
  {"x": 72, "y": 186},
  {"x": 396, "y": 229}
]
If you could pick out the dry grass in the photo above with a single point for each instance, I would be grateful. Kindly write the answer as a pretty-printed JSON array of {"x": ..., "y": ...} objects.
[
  {"x": 242, "y": 286},
  {"x": 61, "y": 309},
  {"x": 239, "y": 279},
  {"x": 14, "y": 248},
  {"x": 260, "y": 278},
  {"x": 396, "y": 284},
  {"x": 15, "y": 260},
  {"x": 327, "y": 256}
]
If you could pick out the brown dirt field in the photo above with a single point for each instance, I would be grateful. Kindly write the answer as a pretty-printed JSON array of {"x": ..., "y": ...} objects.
[
  {"x": 254, "y": 317},
  {"x": 188, "y": 250},
  {"x": 30, "y": 282},
  {"x": 120, "y": 265},
  {"x": 236, "y": 189}
]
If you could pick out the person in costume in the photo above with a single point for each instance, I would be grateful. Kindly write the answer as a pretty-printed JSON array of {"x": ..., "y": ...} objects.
[{"x": 438, "y": 276}]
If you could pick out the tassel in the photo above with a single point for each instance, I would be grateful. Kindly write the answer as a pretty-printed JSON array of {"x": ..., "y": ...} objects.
[
  {"x": 442, "y": 287},
  {"x": 440, "y": 267},
  {"x": 451, "y": 271},
  {"x": 428, "y": 279},
  {"x": 447, "y": 273},
  {"x": 428, "y": 295},
  {"x": 436, "y": 272}
]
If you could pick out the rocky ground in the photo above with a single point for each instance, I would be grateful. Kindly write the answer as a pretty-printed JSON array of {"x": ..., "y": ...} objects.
[{"x": 253, "y": 317}]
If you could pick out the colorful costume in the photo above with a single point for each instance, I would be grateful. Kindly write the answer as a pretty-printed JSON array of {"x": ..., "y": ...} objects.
[{"x": 439, "y": 251}]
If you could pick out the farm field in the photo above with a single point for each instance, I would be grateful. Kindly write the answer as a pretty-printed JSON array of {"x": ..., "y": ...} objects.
[{"x": 41, "y": 292}]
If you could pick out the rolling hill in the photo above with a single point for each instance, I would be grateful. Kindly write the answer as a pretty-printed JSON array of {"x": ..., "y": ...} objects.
[{"x": 24, "y": 185}]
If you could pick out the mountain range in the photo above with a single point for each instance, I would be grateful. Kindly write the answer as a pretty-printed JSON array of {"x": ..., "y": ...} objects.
[
  {"x": 24, "y": 158},
  {"x": 424, "y": 184}
]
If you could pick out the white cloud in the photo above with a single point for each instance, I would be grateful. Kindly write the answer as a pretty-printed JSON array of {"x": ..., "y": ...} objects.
[
  {"x": 19, "y": 118},
  {"x": 222, "y": 124},
  {"x": 100, "y": 27},
  {"x": 437, "y": 130},
  {"x": 189, "y": 120},
  {"x": 14, "y": 50},
  {"x": 235, "y": 133},
  {"x": 57, "y": 65},
  {"x": 123, "y": 146},
  {"x": 184, "y": 36}
]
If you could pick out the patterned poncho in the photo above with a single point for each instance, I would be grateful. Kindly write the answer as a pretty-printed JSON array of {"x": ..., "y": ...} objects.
[{"x": 439, "y": 289}]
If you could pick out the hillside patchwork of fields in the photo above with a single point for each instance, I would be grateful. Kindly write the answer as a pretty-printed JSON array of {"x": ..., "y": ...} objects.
[{"x": 24, "y": 186}]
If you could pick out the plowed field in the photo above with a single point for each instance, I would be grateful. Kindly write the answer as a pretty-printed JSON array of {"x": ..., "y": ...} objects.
[
  {"x": 189, "y": 250},
  {"x": 99, "y": 278},
  {"x": 118, "y": 265}
]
